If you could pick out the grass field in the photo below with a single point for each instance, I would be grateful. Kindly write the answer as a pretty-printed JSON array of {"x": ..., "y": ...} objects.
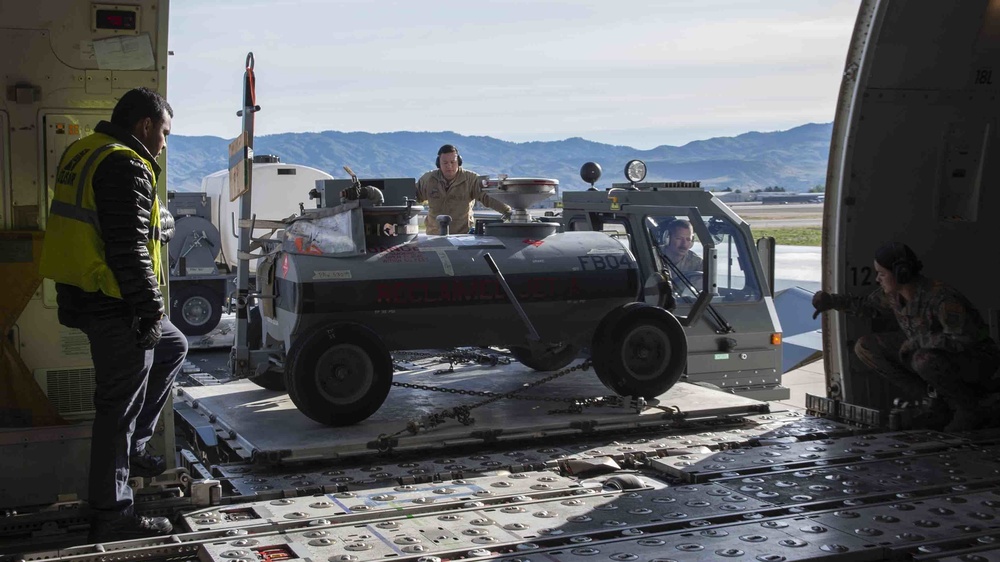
[{"x": 792, "y": 235}]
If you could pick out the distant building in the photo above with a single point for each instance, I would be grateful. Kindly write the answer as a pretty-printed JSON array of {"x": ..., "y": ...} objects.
[{"x": 782, "y": 198}]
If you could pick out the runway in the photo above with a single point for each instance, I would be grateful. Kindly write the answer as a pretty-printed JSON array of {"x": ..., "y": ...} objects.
[{"x": 798, "y": 266}]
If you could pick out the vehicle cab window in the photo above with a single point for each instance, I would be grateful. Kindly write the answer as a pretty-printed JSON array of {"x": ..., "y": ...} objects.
[{"x": 682, "y": 252}]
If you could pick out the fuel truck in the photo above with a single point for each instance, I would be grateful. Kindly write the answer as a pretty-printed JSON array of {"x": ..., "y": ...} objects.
[{"x": 352, "y": 282}]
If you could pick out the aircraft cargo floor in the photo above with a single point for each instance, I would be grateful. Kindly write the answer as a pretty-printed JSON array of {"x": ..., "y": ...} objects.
[{"x": 260, "y": 425}]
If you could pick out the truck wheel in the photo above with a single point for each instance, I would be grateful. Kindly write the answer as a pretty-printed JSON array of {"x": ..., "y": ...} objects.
[
  {"x": 195, "y": 309},
  {"x": 553, "y": 359},
  {"x": 338, "y": 374},
  {"x": 271, "y": 379},
  {"x": 639, "y": 350}
]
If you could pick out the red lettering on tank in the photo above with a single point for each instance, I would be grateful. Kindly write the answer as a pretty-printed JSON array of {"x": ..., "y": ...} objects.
[
  {"x": 525, "y": 292},
  {"x": 487, "y": 289},
  {"x": 553, "y": 287},
  {"x": 574, "y": 289},
  {"x": 482, "y": 290},
  {"x": 417, "y": 292},
  {"x": 458, "y": 292},
  {"x": 383, "y": 293}
]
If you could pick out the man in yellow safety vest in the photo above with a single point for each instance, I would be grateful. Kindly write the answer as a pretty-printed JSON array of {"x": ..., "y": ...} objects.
[{"x": 102, "y": 248}]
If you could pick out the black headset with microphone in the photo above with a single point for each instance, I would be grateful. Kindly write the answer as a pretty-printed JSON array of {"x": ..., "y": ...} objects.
[
  {"x": 446, "y": 149},
  {"x": 903, "y": 270},
  {"x": 906, "y": 266}
]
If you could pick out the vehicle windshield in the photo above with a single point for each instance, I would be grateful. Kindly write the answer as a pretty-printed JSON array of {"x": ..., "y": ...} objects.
[{"x": 682, "y": 251}]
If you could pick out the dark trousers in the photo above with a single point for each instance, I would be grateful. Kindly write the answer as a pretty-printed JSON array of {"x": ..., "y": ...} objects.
[
  {"x": 132, "y": 385},
  {"x": 962, "y": 379}
]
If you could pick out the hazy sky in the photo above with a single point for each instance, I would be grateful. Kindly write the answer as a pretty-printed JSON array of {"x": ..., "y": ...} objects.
[{"x": 630, "y": 72}]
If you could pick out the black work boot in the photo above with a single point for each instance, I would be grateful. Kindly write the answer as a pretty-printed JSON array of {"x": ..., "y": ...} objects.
[
  {"x": 930, "y": 413},
  {"x": 146, "y": 465},
  {"x": 965, "y": 419},
  {"x": 127, "y": 527},
  {"x": 972, "y": 413}
]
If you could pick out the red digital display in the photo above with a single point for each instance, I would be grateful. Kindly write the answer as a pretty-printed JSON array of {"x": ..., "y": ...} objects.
[{"x": 116, "y": 19}]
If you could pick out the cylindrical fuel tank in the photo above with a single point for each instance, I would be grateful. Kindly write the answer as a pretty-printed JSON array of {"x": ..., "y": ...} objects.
[
  {"x": 278, "y": 190},
  {"x": 440, "y": 291}
]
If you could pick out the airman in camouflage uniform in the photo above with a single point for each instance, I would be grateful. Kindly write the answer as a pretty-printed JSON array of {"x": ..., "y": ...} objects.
[
  {"x": 678, "y": 237},
  {"x": 943, "y": 341}
]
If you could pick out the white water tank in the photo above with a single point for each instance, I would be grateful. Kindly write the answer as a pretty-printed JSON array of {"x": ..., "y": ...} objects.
[{"x": 277, "y": 191}]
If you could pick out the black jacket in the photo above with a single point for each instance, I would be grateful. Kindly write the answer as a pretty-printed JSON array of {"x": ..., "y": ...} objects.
[{"x": 123, "y": 192}]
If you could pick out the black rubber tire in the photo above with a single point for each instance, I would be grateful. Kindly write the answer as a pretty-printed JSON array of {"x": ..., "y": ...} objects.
[
  {"x": 601, "y": 336},
  {"x": 640, "y": 350},
  {"x": 551, "y": 361},
  {"x": 195, "y": 309},
  {"x": 271, "y": 379},
  {"x": 338, "y": 374},
  {"x": 625, "y": 482}
]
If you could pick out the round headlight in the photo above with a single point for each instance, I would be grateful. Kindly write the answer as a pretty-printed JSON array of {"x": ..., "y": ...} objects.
[{"x": 635, "y": 171}]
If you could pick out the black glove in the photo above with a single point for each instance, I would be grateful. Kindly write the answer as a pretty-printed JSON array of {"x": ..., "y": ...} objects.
[
  {"x": 147, "y": 332},
  {"x": 822, "y": 301}
]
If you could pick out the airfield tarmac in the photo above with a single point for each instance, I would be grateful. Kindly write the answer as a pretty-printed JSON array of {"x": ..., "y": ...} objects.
[{"x": 795, "y": 266}]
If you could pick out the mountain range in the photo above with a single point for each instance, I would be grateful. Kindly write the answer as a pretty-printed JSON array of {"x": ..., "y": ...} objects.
[{"x": 794, "y": 159}]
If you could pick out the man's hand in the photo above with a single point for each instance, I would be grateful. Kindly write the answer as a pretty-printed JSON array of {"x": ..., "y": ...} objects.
[
  {"x": 148, "y": 333},
  {"x": 822, "y": 301},
  {"x": 506, "y": 216}
]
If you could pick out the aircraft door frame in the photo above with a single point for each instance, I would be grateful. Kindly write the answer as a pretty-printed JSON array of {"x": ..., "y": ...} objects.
[{"x": 5, "y": 194}]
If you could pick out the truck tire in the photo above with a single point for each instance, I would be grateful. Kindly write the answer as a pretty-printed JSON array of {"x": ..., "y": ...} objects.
[
  {"x": 270, "y": 379},
  {"x": 639, "y": 350},
  {"x": 553, "y": 360},
  {"x": 195, "y": 309},
  {"x": 338, "y": 374}
]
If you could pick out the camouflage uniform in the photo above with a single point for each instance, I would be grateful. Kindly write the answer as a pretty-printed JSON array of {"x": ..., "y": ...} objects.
[
  {"x": 455, "y": 198},
  {"x": 690, "y": 263},
  {"x": 943, "y": 342}
]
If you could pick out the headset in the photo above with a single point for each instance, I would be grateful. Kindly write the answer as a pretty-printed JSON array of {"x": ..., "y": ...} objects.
[
  {"x": 447, "y": 149},
  {"x": 674, "y": 224},
  {"x": 903, "y": 271},
  {"x": 907, "y": 266}
]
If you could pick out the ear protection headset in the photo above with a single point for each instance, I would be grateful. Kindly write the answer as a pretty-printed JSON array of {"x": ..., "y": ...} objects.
[
  {"x": 446, "y": 149},
  {"x": 902, "y": 270},
  {"x": 672, "y": 225},
  {"x": 906, "y": 267}
]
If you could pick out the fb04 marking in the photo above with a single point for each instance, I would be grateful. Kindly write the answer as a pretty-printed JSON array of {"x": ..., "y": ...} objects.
[{"x": 602, "y": 263}]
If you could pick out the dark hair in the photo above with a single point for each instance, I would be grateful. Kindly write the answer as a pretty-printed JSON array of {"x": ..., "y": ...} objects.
[
  {"x": 900, "y": 259},
  {"x": 138, "y": 104},
  {"x": 447, "y": 149},
  {"x": 678, "y": 223}
]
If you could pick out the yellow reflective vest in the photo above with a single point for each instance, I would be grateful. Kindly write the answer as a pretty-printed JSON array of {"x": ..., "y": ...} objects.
[{"x": 73, "y": 251}]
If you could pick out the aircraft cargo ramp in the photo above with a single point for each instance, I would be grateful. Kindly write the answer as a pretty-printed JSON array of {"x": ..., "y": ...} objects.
[
  {"x": 764, "y": 487},
  {"x": 696, "y": 474}
]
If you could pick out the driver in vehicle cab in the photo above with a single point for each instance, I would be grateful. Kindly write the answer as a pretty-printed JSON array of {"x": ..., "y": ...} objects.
[{"x": 678, "y": 237}]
